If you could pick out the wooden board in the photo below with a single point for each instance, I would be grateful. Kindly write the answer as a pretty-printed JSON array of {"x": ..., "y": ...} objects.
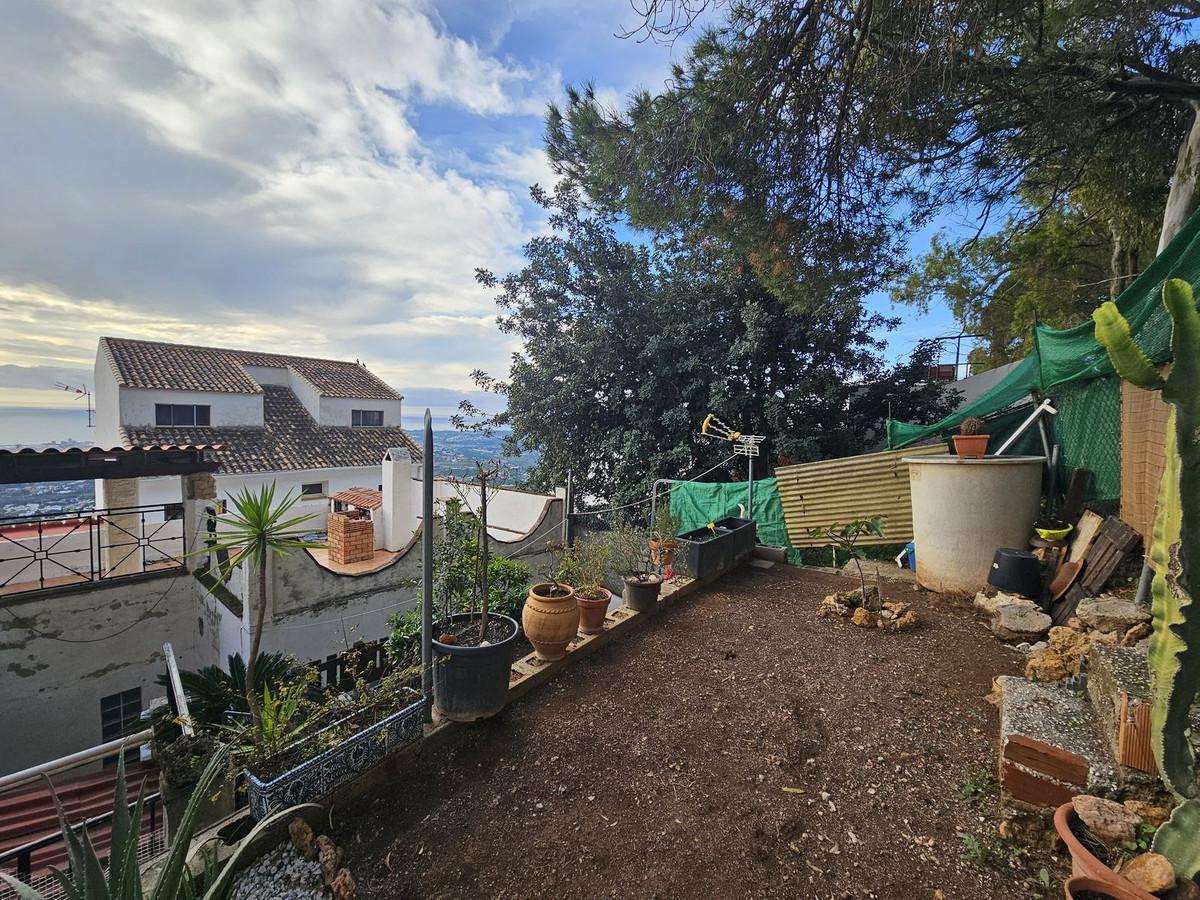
[{"x": 1085, "y": 532}]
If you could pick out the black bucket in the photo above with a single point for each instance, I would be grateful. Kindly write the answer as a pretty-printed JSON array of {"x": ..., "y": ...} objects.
[
  {"x": 471, "y": 683},
  {"x": 642, "y": 596},
  {"x": 1018, "y": 572}
]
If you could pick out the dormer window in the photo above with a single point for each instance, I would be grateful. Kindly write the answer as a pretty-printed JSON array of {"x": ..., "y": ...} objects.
[
  {"x": 182, "y": 414},
  {"x": 366, "y": 418}
]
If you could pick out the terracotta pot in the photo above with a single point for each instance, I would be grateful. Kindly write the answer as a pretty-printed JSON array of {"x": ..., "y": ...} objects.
[
  {"x": 593, "y": 611},
  {"x": 662, "y": 553},
  {"x": 1085, "y": 865},
  {"x": 550, "y": 621},
  {"x": 1077, "y": 884},
  {"x": 971, "y": 446}
]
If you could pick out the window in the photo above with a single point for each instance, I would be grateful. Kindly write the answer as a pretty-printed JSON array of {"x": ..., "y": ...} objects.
[
  {"x": 315, "y": 489},
  {"x": 172, "y": 511},
  {"x": 120, "y": 714},
  {"x": 182, "y": 414},
  {"x": 372, "y": 418}
]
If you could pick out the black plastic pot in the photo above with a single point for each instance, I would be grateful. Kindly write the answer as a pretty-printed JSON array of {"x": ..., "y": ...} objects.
[
  {"x": 709, "y": 552},
  {"x": 471, "y": 683},
  {"x": 642, "y": 596},
  {"x": 1017, "y": 571}
]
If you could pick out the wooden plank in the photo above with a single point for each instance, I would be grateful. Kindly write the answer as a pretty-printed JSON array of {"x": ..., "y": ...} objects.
[
  {"x": 1085, "y": 532},
  {"x": 1032, "y": 789},
  {"x": 1133, "y": 736},
  {"x": 1046, "y": 759}
]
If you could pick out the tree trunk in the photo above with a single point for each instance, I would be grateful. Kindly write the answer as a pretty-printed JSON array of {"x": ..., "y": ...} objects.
[
  {"x": 1182, "y": 199},
  {"x": 1116, "y": 265},
  {"x": 255, "y": 641}
]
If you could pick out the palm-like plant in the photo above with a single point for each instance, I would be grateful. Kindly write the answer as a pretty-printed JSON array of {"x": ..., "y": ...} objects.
[
  {"x": 256, "y": 529},
  {"x": 211, "y": 691},
  {"x": 87, "y": 879}
]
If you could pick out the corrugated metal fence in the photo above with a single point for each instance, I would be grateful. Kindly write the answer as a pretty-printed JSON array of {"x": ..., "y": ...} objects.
[{"x": 853, "y": 487}]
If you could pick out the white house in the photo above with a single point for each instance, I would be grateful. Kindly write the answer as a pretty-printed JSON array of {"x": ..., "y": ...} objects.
[{"x": 313, "y": 426}]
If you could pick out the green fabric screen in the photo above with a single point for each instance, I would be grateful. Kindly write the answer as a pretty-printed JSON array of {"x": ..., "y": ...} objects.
[
  {"x": 1071, "y": 356},
  {"x": 698, "y": 503}
]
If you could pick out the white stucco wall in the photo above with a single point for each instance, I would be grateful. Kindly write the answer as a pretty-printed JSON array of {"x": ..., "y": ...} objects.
[
  {"x": 137, "y": 406},
  {"x": 336, "y": 410},
  {"x": 108, "y": 418}
]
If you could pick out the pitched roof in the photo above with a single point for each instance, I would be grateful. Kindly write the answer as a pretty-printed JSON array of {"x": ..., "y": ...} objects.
[
  {"x": 363, "y": 498},
  {"x": 290, "y": 440},
  {"x": 183, "y": 367}
]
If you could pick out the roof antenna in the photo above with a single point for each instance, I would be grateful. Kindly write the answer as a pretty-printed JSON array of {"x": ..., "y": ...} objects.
[{"x": 81, "y": 391}]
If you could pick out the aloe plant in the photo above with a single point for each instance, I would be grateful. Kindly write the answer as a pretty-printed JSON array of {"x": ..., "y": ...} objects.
[
  {"x": 87, "y": 879},
  {"x": 1174, "y": 656}
]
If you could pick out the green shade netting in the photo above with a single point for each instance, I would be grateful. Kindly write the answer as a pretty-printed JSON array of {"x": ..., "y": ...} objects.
[
  {"x": 698, "y": 503},
  {"x": 1061, "y": 359}
]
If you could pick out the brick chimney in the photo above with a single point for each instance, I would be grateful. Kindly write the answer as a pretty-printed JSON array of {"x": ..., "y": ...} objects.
[{"x": 351, "y": 537}]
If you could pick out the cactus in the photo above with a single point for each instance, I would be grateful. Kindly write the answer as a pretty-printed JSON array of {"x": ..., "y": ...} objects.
[
  {"x": 970, "y": 426},
  {"x": 1174, "y": 656}
]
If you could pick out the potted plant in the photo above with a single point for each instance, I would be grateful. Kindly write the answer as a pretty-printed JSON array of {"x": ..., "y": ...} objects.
[
  {"x": 474, "y": 649},
  {"x": 551, "y": 614},
  {"x": 629, "y": 550},
  {"x": 971, "y": 442},
  {"x": 1174, "y": 655},
  {"x": 592, "y": 555},
  {"x": 664, "y": 536}
]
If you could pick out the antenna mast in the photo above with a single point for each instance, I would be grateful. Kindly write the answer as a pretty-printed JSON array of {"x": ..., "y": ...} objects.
[{"x": 82, "y": 391}]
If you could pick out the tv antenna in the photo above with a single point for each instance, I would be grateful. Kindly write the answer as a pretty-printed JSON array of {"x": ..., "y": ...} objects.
[
  {"x": 743, "y": 445},
  {"x": 81, "y": 393}
]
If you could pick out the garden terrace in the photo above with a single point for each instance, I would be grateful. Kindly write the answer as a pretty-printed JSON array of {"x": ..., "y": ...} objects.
[{"x": 734, "y": 745}]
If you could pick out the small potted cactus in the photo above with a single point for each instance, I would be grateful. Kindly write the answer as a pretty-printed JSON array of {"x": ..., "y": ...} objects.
[
  {"x": 971, "y": 442},
  {"x": 1174, "y": 655}
]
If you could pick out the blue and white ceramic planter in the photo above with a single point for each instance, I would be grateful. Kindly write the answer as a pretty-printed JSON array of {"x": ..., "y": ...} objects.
[{"x": 319, "y": 775}]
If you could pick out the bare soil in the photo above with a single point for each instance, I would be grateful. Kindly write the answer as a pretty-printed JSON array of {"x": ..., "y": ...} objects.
[{"x": 734, "y": 747}]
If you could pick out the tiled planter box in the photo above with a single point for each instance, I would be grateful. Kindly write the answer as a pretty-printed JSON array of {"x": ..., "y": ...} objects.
[
  {"x": 708, "y": 553},
  {"x": 320, "y": 774}
]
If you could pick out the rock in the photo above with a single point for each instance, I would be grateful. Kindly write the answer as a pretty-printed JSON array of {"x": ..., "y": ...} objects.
[
  {"x": 342, "y": 887},
  {"x": 302, "y": 838},
  {"x": 855, "y": 598},
  {"x": 1074, "y": 624},
  {"x": 1109, "y": 822},
  {"x": 1151, "y": 872},
  {"x": 1150, "y": 813},
  {"x": 988, "y": 605},
  {"x": 1104, "y": 637},
  {"x": 1111, "y": 614},
  {"x": 330, "y": 857},
  {"x": 1024, "y": 646},
  {"x": 1049, "y": 665},
  {"x": 1067, "y": 641},
  {"x": 903, "y": 622},
  {"x": 1039, "y": 647},
  {"x": 863, "y": 618},
  {"x": 1184, "y": 890},
  {"x": 1017, "y": 622},
  {"x": 1135, "y": 634},
  {"x": 832, "y": 608}
]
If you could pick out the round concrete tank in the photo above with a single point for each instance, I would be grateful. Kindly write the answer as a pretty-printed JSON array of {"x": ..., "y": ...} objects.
[{"x": 964, "y": 510}]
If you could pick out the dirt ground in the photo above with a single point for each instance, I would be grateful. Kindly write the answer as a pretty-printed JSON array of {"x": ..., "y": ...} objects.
[{"x": 735, "y": 747}]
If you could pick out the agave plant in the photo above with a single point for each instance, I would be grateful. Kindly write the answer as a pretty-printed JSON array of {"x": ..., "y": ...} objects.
[
  {"x": 87, "y": 878},
  {"x": 1174, "y": 656}
]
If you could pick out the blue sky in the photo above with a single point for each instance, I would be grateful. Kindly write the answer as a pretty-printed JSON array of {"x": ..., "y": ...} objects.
[{"x": 307, "y": 177}]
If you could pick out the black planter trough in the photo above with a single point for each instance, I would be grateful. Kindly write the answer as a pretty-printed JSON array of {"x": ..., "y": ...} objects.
[
  {"x": 471, "y": 683},
  {"x": 709, "y": 551}
]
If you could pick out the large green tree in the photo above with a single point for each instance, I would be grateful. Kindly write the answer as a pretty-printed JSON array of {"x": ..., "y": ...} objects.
[
  {"x": 809, "y": 136},
  {"x": 627, "y": 346}
]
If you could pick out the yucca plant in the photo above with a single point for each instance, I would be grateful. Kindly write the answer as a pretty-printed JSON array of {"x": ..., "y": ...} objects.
[
  {"x": 87, "y": 878},
  {"x": 256, "y": 529},
  {"x": 1174, "y": 656}
]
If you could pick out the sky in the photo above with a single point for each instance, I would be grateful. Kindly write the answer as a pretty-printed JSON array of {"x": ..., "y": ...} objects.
[{"x": 317, "y": 178}]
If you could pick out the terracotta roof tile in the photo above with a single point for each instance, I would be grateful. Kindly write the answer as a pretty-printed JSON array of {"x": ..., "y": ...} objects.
[
  {"x": 290, "y": 440},
  {"x": 183, "y": 367},
  {"x": 363, "y": 498}
]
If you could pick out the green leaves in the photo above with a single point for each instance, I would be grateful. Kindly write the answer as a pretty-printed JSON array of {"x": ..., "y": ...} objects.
[{"x": 258, "y": 527}]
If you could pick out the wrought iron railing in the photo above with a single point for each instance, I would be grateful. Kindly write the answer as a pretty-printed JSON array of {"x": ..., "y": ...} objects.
[{"x": 41, "y": 552}]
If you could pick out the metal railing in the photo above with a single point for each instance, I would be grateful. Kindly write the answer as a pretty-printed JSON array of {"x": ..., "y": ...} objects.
[{"x": 50, "y": 551}]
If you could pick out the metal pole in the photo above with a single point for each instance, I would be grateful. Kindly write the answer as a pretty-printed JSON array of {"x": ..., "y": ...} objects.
[
  {"x": 427, "y": 568},
  {"x": 750, "y": 488},
  {"x": 568, "y": 507}
]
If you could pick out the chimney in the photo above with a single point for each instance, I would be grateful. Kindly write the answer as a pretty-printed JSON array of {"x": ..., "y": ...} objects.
[{"x": 398, "y": 513}]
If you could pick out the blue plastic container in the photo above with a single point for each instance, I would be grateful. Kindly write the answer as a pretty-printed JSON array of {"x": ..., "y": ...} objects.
[{"x": 911, "y": 550}]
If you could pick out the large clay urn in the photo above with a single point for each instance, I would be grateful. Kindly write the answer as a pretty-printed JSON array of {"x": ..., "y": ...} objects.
[{"x": 550, "y": 619}]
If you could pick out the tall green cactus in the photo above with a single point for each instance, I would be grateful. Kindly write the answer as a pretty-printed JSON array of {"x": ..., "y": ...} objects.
[{"x": 1174, "y": 656}]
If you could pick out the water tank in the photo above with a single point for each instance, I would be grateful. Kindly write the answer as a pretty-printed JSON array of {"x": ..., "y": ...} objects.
[{"x": 966, "y": 509}]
